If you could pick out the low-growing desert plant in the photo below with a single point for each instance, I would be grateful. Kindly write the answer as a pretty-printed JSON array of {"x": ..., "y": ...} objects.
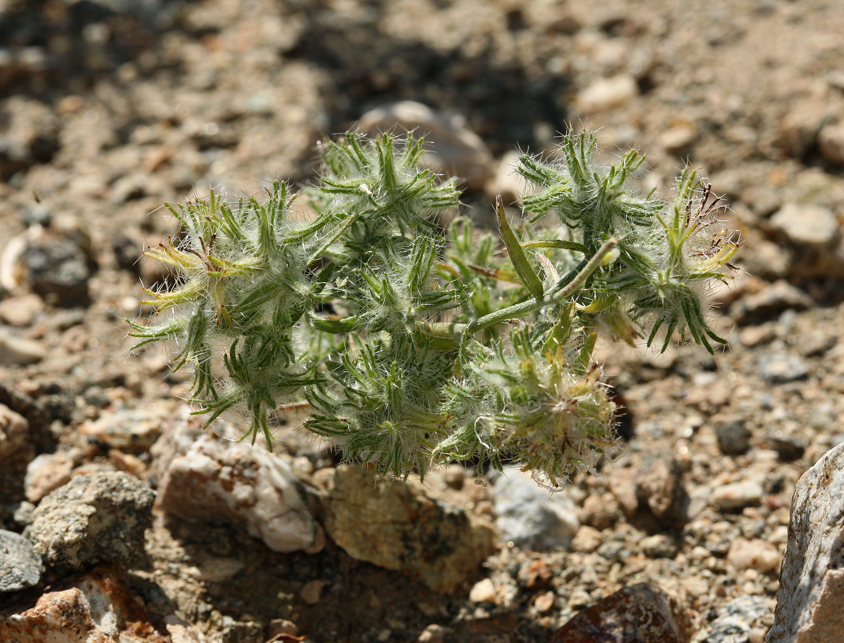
[{"x": 415, "y": 344}]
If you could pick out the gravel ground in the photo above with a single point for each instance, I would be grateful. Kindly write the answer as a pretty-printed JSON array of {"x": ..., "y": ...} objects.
[{"x": 106, "y": 114}]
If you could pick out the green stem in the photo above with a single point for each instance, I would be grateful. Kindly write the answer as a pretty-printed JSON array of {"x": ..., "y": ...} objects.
[{"x": 558, "y": 293}]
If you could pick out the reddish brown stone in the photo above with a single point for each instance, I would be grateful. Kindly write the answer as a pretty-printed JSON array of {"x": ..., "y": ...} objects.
[
  {"x": 640, "y": 613},
  {"x": 536, "y": 575},
  {"x": 94, "y": 607}
]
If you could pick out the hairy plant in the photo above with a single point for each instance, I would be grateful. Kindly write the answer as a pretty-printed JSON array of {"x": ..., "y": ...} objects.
[{"x": 414, "y": 345}]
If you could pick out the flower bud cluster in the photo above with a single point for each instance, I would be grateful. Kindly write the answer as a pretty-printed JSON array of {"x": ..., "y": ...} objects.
[{"x": 412, "y": 345}]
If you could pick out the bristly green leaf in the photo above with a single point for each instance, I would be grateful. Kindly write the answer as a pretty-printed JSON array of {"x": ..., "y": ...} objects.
[{"x": 517, "y": 256}]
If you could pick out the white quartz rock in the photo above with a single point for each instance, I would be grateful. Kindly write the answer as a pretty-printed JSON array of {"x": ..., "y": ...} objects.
[
  {"x": 810, "y": 601},
  {"x": 211, "y": 478}
]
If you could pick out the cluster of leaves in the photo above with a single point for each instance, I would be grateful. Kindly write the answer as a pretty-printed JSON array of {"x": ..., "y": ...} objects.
[{"x": 412, "y": 344}]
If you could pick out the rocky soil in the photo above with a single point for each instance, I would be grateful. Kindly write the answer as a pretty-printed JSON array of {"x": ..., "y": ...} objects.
[{"x": 108, "y": 109}]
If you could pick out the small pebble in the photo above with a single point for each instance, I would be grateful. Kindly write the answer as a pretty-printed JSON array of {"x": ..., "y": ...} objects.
[
  {"x": 733, "y": 436},
  {"x": 124, "y": 429},
  {"x": 45, "y": 473},
  {"x": 756, "y": 335},
  {"x": 506, "y": 182},
  {"x": 768, "y": 303},
  {"x": 737, "y": 495},
  {"x": 754, "y": 554},
  {"x": 536, "y": 574},
  {"x": 456, "y": 149},
  {"x": 779, "y": 368},
  {"x": 600, "y": 511},
  {"x": 736, "y": 619},
  {"x": 831, "y": 143},
  {"x": 20, "y": 351},
  {"x": 217, "y": 570},
  {"x": 531, "y": 519},
  {"x": 483, "y": 592},
  {"x": 282, "y": 626},
  {"x": 14, "y": 436},
  {"x": 807, "y": 224},
  {"x": 21, "y": 310},
  {"x": 545, "y": 602},
  {"x": 587, "y": 540},
  {"x": 677, "y": 139},
  {"x": 756, "y": 635},
  {"x": 607, "y": 93},
  {"x": 697, "y": 586},
  {"x": 433, "y": 634},
  {"x": 312, "y": 591},
  {"x": 658, "y": 546},
  {"x": 788, "y": 447}
]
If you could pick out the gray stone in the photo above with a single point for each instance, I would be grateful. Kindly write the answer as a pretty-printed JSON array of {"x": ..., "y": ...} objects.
[
  {"x": 58, "y": 270},
  {"x": 530, "y": 517},
  {"x": 36, "y": 214},
  {"x": 20, "y": 566},
  {"x": 23, "y": 513},
  {"x": 97, "y": 517},
  {"x": 733, "y": 436},
  {"x": 810, "y": 601},
  {"x": 206, "y": 476},
  {"x": 735, "y": 619},
  {"x": 456, "y": 151},
  {"x": 399, "y": 525},
  {"x": 807, "y": 224},
  {"x": 779, "y": 368}
]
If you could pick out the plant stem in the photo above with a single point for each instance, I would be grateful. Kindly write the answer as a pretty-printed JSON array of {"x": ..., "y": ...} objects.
[{"x": 559, "y": 292}]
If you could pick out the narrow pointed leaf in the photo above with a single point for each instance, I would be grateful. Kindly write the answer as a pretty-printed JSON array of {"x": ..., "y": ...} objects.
[{"x": 517, "y": 256}]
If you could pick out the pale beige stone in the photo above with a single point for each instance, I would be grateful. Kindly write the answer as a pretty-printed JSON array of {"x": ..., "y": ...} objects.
[
  {"x": 607, "y": 94},
  {"x": 483, "y": 591}
]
